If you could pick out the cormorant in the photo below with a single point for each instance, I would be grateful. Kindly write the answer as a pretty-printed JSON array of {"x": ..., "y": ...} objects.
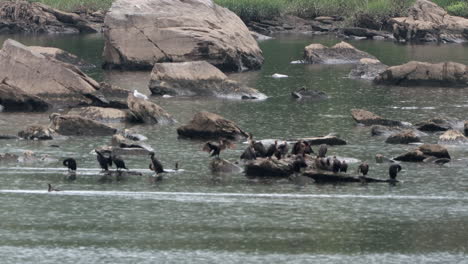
[
  {"x": 393, "y": 171},
  {"x": 52, "y": 189},
  {"x": 322, "y": 151},
  {"x": 283, "y": 150},
  {"x": 336, "y": 165},
  {"x": 156, "y": 165},
  {"x": 119, "y": 163},
  {"x": 363, "y": 168},
  {"x": 215, "y": 150},
  {"x": 260, "y": 151},
  {"x": 301, "y": 147},
  {"x": 249, "y": 153},
  {"x": 104, "y": 161},
  {"x": 272, "y": 150},
  {"x": 299, "y": 163},
  {"x": 176, "y": 166},
  {"x": 344, "y": 166},
  {"x": 70, "y": 163}
]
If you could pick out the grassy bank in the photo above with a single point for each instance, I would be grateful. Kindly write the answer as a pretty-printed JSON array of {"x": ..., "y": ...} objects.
[{"x": 73, "y": 5}]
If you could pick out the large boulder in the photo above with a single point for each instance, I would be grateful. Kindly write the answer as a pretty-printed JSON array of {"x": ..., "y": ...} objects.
[
  {"x": 102, "y": 114},
  {"x": 147, "y": 112},
  {"x": 415, "y": 73},
  {"x": 341, "y": 53},
  {"x": 434, "y": 125},
  {"x": 428, "y": 22},
  {"x": 140, "y": 33},
  {"x": 34, "y": 17},
  {"x": 73, "y": 125},
  {"x": 44, "y": 76},
  {"x": 368, "y": 119},
  {"x": 404, "y": 137},
  {"x": 367, "y": 69},
  {"x": 205, "y": 125},
  {"x": 452, "y": 137},
  {"x": 196, "y": 78},
  {"x": 423, "y": 152},
  {"x": 14, "y": 99}
]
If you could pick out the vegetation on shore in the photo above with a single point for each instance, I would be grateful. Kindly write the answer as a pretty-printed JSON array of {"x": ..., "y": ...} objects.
[{"x": 254, "y": 10}]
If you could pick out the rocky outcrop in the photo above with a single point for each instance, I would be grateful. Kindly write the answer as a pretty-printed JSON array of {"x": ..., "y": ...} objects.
[
  {"x": 102, "y": 114},
  {"x": 304, "y": 94},
  {"x": 73, "y": 125},
  {"x": 218, "y": 165},
  {"x": 196, "y": 78},
  {"x": 14, "y": 99},
  {"x": 365, "y": 33},
  {"x": 34, "y": 17},
  {"x": 205, "y": 125},
  {"x": 415, "y": 73},
  {"x": 367, "y": 69},
  {"x": 368, "y": 119},
  {"x": 423, "y": 152},
  {"x": 148, "y": 112},
  {"x": 341, "y": 53},
  {"x": 269, "y": 168},
  {"x": 404, "y": 137},
  {"x": 36, "y": 133},
  {"x": 61, "y": 55},
  {"x": 434, "y": 125},
  {"x": 452, "y": 137},
  {"x": 140, "y": 33},
  {"x": 428, "y": 22}
]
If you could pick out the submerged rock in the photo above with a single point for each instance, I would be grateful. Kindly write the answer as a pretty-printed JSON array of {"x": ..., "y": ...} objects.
[
  {"x": 14, "y": 99},
  {"x": 423, "y": 152},
  {"x": 368, "y": 119},
  {"x": 367, "y": 69},
  {"x": 148, "y": 112},
  {"x": 428, "y": 22},
  {"x": 140, "y": 33},
  {"x": 379, "y": 130},
  {"x": 196, "y": 78},
  {"x": 205, "y": 125},
  {"x": 73, "y": 125},
  {"x": 218, "y": 165},
  {"x": 341, "y": 53},
  {"x": 404, "y": 137},
  {"x": 452, "y": 137},
  {"x": 304, "y": 94},
  {"x": 415, "y": 73},
  {"x": 34, "y": 17},
  {"x": 36, "y": 133},
  {"x": 330, "y": 140}
]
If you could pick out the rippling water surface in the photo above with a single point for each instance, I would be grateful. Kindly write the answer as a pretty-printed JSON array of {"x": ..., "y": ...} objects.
[{"x": 195, "y": 217}]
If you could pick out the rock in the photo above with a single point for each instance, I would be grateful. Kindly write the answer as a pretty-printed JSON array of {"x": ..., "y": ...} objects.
[
  {"x": 36, "y": 133},
  {"x": 14, "y": 99},
  {"x": 8, "y": 157},
  {"x": 465, "y": 128},
  {"x": 367, "y": 69},
  {"x": 309, "y": 94},
  {"x": 428, "y": 22},
  {"x": 379, "y": 130},
  {"x": 259, "y": 37},
  {"x": 196, "y": 78},
  {"x": 102, "y": 114},
  {"x": 50, "y": 79},
  {"x": 205, "y": 125},
  {"x": 404, "y": 137},
  {"x": 452, "y": 137},
  {"x": 126, "y": 133},
  {"x": 269, "y": 168},
  {"x": 368, "y": 119},
  {"x": 434, "y": 125},
  {"x": 328, "y": 140},
  {"x": 148, "y": 112},
  {"x": 218, "y": 165},
  {"x": 8, "y": 137},
  {"x": 74, "y": 125},
  {"x": 120, "y": 141},
  {"x": 140, "y": 33},
  {"x": 61, "y": 55},
  {"x": 423, "y": 152},
  {"x": 118, "y": 151},
  {"x": 27, "y": 17},
  {"x": 365, "y": 32},
  {"x": 415, "y": 73},
  {"x": 341, "y": 53},
  {"x": 320, "y": 176}
]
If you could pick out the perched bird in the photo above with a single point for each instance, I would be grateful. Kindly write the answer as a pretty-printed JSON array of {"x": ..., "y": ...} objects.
[
  {"x": 260, "y": 150},
  {"x": 272, "y": 150},
  {"x": 52, "y": 189},
  {"x": 70, "y": 163},
  {"x": 119, "y": 162},
  {"x": 249, "y": 154},
  {"x": 322, "y": 151},
  {"x": 302, "y": 147},
  {"x": 336, "y": 165},
  {"x": 215, "y": 149},
  {"x": 156, "y": 165},
  {"x": 393, "y": 171},
  {"x": 176, "y": 166},
  {"x": 363, "y": 168},
  {"x": 299, "y": 163},
  {"x": 104, "y": 161},
  {"x": 344, "y": 166},
  {"x": 283, "y": 150},
  {"x": 139, "y": 95}
]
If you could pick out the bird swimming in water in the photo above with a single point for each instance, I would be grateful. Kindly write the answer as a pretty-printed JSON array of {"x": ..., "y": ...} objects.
[
  {"x": 139, "y": 95},
  {"x": 393, "y": 171},
  {"x": 70, "y": 163},
  {"x": 363, "y": 168},
  {"x": 215, "y": 149},
  {"x": 52, "y": 189},
  {"x": 322, "y": 151},
  {"x": 119, "y": 162},
  {"x": 104, "y": 162}
]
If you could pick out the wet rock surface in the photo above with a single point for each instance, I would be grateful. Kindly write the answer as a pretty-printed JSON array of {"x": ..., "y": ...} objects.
[
  {"x": 368, "y": 118},
  {"x": 341, "y": 53},
  {"x": 305, "y": 94},
  {"x": 423, "y": 152},
  {"x": 14, "y": 99},
  {"x": 102, "y": 114},
  {"x": 403, "y": 137},
  {"x": 367, "y": 69},
  {"x": 73, "y": 125},
  {"x": 147, "y": 112},
  {"x": 218, "y": 165},
  {"x": 36, "y": 133},
  {"x": 452, "y": 137}
]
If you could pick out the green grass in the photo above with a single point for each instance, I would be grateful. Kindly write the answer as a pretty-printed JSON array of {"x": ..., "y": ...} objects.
[
  {"x": 454, "y": 7},
  {"x": 74, "y": 5}
]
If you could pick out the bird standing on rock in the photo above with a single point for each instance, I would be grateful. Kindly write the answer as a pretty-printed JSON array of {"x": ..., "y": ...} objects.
[
  {"x": 272, "y": 150},
  {"x": 363, "y": 168},
  {"x": 336, "y": 165},
  {"x": 393, "y": 171},
  {"x": 70, "y": 163},
  {"x": 139, "y": 95},
  {"x": 322, "y": 151},
  {"x": 155, "y": 164},
  {"x": 344, "y": 166},
  {"x": 104, "y": 161},
  {"x": 119, "y": 162},
  {"x": 283, "y": 150}
]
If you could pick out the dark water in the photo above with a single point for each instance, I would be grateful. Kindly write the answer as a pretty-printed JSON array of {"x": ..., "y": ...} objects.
[{"x": 194, "y": 217}]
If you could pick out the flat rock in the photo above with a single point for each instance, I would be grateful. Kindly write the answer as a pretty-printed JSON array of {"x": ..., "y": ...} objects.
[
  {"x": 427, "y": 22},
  {"x": 205, "y": 125},
  {"x": 365, "y": 32},
  {"x": 147, "y": 112},
  {"x": 320, "y": 176},
  {"x": 14, "y": 99},
  {"x": 367, "y": 69},
  {"x": 341, "y": 53},
  {"x": 74, "y": 125},
  {"x": 452, "y": 137},
  {"x": 368, "y": 118},
  {"x": 403, "y": 137},
  {"x": 434, "y": 125},
  {"x": 269, "y": 168},
  {"x": 196, "y": 78},
  {"x": 140, "y": 33},
  {"x": 423, "y": 152},
  {"x": 101, "y": 114},
  {"x": 415, "y": 73},
  {"x": 223, "y": 166},
  {"x": 62, "y": 56},
  {"x": 36, "y": 133},
  {"x": 328, "y": 140}
]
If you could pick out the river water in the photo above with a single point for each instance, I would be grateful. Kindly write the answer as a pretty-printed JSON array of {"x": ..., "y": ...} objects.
[{"x": 195, "y": 217}]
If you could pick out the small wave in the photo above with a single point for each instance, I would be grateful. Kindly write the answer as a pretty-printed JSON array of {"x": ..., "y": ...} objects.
[{"x": 298, "y": 62}]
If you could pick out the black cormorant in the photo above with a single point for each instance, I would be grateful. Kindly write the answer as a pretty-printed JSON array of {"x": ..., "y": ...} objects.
[
  {"x": 344, "y": 166},
  {"x": 104, "y": 161},
  {"x": 393, "y": 171},
  {"x": 156, "y": 165},
  {"x": 272, "y": 150},
  {"x": 336, "y": 165},
  {"x": 70, "y": 163},
  {"x": 363, "y": 168},
  {"x": 322, "y": 151},
  {"x": 52, "y": 189},
  {"x": 215, "y": 149},
  {"x": 119, "y": 162}
]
